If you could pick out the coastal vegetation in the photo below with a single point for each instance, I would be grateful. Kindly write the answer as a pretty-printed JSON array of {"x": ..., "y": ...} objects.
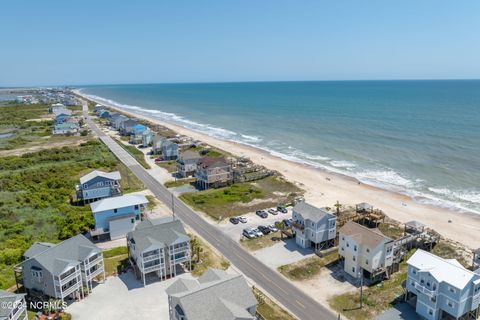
[
  {"x": 135, "y": 152},
  {"x": 115, "y": 260},
  {"x": 37, "y": 198},
  {"x": 179, "y": 182},
  {"x": 307, "y": 268},
  {"x": 170, "y": 166},
  {"x": 241, "y": 198},
  {"x": 203, "y": 257},
  {"x": 268, "y": 309}
]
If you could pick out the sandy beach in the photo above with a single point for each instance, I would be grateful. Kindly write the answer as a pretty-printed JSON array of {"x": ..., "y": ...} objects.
[{"x": 324, "y": 189}]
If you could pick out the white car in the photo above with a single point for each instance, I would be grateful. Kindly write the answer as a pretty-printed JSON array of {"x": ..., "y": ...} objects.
[
  {"x": 273, "y": 228},
  {"x": 249, "y": 233},
  {"x": 257, "y": 232},
  {"x": 242, "y": 219}
]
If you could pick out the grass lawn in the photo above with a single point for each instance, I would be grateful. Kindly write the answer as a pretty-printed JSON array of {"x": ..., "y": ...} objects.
[
  {"x": 115, "y": 252},
  {"x": 170, "y": 166},
  {"x": 137, "y": 154},
  {"x": 241, "y": 198},
  {"x": 129, "y": 181},
  {"x": 259, "y": 243},
  {"x": 203, "y": 257},
  {"x": 269, "y": 309},
  {"x": 179, "y": 182},
  {"x": 115, "y": 264},
  {"x": 307, "y": 268}
]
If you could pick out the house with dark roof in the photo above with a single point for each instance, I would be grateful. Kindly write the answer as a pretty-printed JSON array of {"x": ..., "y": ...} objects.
[
  {"x": 60, "y": 271},
  {"x": 187, "y": 163},
  {"x": 313, "y": 227},
  {"x": 158, "y": 247},
  {"x": 213, "y": 172},
  {"x": 98, "y": 185},
  {"x": 365, "y": 252},
  {"x": 126, "y": 127},
  {"x": 216, "y": 295},
  {"x": 12, "y": 306}
]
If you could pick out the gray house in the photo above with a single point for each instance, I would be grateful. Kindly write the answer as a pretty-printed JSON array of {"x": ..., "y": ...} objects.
[
  {"x": 187, "y": 163},
  {"x": 313, "y": 227},
  {"x": 97, "y": 185},
  {"x": 126, "y": 127},
  {"x": 442, "y": 288},
  {"x": 12, "y": 306},
  {"x": 158, "y": 246},
  {"x": 216, "y": 295},
  {"x": 169, "y": 150},
  {"x": 213, "y": 172},
  {"x": 61, "y": 270},
  {"x": 118, "y": 120}
]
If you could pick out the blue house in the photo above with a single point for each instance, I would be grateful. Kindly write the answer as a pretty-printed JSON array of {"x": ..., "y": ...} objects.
[
  {"x": 97, "y": 185},
  {"x": 137, "y": 133},
  {"x": 61, "y": 118},
  {"x": 117, "y": 216},
  {"x": 442, "y": 288}
]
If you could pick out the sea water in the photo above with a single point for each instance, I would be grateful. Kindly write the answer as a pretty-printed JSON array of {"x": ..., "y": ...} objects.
[{"x": 420, "y": 138}]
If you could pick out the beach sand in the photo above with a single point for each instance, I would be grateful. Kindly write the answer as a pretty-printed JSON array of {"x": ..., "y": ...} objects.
[{"x": 325, "y": 189}]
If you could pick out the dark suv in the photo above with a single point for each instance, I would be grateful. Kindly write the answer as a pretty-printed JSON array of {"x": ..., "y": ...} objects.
[
  {"x": 264, "y": 229},
  {"x": 262, "y": 213}
]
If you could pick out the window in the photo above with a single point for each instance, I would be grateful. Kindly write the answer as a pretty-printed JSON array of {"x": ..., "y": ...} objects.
[
  {"x": 414, "y": 271},
  {"x": 348, "y": 244},
  {"x": 136, "y": 207},
  {"x": 430, "y": 311},
  {"x": 37, "y": 275},
  {"x": 450, "y": 304},
  {"x": 452, "y": 290},
  {"x": 428, "y": 284},
  {"x": 434, "y": 287},
  {"x": 343, "y": 238},
  {"x": 353, "y": 269},
  {"x": 115, "y": 210},
  {"x": 366, "y": 262},
  {"x": 137, "y": 217},
  {"x": 354, "y": 259},
  {"x": 343, "y": 249},
  {"x": 368, "y": 250},
  {"x": 132, "y": 220},
  {"x": 85, "y": 186},
  {"x": 355, "y": 248}
]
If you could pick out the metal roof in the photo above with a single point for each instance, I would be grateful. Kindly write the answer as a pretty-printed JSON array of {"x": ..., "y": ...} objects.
[
  {"x": 115, "y": 175},
  {"x": 118, "y": 202}
]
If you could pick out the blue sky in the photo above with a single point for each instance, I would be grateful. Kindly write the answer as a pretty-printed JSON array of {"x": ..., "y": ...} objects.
[{"x": 95, "y": 42}]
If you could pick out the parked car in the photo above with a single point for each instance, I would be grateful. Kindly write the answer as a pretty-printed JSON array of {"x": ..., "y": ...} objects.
[
  {"x": 264, "y": 229},
  {"x": 273, "y": 228},
  {"x": 257, "y": 232},
  {"x": 287, "y": 222},
  {"x": 242, "y": 219},
  {"x": 262, "y": 213},
  {"x": 158, "y": 159},
  {"x": 273, "y": 211},
  {"x": 249, "y": 233},
  {"x": 282, "y": 209},
  {"x": 234, "y": 220}
]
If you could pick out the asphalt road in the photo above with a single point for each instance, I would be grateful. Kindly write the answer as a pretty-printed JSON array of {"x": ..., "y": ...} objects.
[{"x": 295, "y": 300}]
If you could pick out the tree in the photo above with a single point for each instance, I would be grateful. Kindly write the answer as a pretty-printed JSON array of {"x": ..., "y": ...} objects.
[
  {"x": 338, "y": 205},
  {"x": 196, "y": 248}
]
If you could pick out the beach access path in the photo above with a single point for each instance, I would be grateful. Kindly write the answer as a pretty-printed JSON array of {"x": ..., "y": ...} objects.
[{"x": 296, "y": 301}]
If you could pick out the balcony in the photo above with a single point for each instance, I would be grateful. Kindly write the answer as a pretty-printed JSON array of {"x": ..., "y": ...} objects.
[
  {"x": 153, "y": 268},
  {"x": 424, "y": 290},
  {"x": 93, "y": 262},
  {"x": 95, "y": 273},
  {"x": 19, "y": 309},
  {"x": 299, "y": 226},
  {"x": 151, "y": 258},
  {"x": 67, "y": 278},
  {"x": 70, "y": 289},
  {"x": 475, "y": 301}
]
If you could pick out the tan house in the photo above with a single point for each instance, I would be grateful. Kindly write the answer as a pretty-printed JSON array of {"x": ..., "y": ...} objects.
[
  {"x": 213, "y": 172},
  {"x": 187, "y": 163},
  {"x": 366, "y": 252}
]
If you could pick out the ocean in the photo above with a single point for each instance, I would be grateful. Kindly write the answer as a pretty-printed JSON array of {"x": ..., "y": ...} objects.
[{"x": 420, "y": 138}]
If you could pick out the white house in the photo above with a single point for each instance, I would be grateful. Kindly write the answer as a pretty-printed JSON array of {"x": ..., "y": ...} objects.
[
  {"x": 313, "y": 227},
  {"x": 366, "y": 252}
]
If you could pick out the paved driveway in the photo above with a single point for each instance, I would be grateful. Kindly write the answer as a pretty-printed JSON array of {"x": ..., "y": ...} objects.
[
  {"x": 401, "y": 311},
  {"x": 124, "y": 297},
  {"x": 281, "y": 253}
]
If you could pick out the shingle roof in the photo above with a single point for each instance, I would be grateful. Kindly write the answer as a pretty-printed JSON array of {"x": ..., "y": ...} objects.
[
  {"x": 189, "y": 155},
  {"x": 118, "y": 202},
  {"x": 36, "y": 248},
  {"x": 69, "y": 252},
  {"x": 216, "y": 296},
  {"x": 415, "y": 224},
  {"x": 307, "y": 211},
  {"x": 158, "y": 232},
  {"x": 7, "y": 303},
  {"x": 364, "y": 236},
  {"x": 115, "y": 175},
  {"x": 443, "y": 270}
]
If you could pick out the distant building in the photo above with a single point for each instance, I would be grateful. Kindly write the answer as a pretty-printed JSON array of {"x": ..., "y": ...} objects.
[
  {"x": 157, "y": 142},
  {"x": 118, "y": 215},
  {"x": 97, "y": 185},
  {"x": 158, "y": 246},
  {"x": 147, "y": 137},
  {"x": 68, "y": 127},
  {"x": 366, "y": 252},
  {"x": 61, "y": 270},
  {"x": 187, "y": 163},
  {"x": 137, "y": 133},
  {"x": 216, "y": 295},
  {"x": 169, "y": 150},
  {"x": 213, "y": 172},
  {"x": 12, "y": 306},
  {"x": 442, "y": 288},
  {"x": 314, "y": 227},
  {"x": 126, "y": 127},
  {"x": 118, "y": 121}
]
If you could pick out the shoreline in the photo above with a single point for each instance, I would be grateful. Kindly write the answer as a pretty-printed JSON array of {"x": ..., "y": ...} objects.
[{"x": 324, "y": 188}]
